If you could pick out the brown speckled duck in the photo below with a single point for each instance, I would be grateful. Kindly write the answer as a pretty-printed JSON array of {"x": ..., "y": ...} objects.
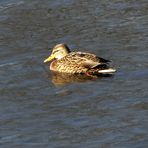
[{"x": 65, "y": 61}]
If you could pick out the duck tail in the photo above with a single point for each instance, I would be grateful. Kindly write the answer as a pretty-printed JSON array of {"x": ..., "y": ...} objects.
[
  {"x": 100, "y": 72},
  {"x": 107, "y": 71}
]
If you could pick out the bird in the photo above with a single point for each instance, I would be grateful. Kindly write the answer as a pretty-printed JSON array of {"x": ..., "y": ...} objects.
[{"x": 65, "y": 61}]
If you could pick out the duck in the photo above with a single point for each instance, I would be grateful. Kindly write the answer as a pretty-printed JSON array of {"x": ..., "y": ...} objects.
[{"x": 77, "y": 62}]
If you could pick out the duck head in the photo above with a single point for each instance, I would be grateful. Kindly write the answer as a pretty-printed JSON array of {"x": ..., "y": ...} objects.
[{"x": 59, "y": 51}]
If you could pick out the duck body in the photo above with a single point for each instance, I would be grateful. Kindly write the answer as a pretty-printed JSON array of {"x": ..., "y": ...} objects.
[{"x": 65, "y": 61}]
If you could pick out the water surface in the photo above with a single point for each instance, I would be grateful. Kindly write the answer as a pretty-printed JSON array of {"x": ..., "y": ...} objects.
[{"x": 37, "y": 110}]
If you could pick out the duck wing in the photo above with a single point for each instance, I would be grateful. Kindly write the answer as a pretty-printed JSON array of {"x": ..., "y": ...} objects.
[{"x": 88, "y": 60}]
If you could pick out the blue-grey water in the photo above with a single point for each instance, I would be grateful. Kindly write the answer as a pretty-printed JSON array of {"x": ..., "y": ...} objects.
[{"x": 38, "y": 109}]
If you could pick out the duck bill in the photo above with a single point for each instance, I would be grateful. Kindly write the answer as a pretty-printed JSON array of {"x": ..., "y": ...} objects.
[{"x": 49, "y": 58}]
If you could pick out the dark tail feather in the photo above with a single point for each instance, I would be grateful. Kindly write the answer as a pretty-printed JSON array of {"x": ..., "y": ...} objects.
[{"x": 101, "y": 69}]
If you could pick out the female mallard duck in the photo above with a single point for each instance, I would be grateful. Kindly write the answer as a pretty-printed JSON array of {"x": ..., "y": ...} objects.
[{"x": 66, "y": 61}]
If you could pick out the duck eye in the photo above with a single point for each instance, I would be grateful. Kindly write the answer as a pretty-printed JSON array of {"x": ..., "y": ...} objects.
[{"x": 55, "y": 51}]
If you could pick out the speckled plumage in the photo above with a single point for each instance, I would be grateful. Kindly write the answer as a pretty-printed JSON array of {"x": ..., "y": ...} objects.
[{"x": 76, "y": 62}]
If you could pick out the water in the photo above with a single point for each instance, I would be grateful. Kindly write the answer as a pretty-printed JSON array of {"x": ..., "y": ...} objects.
[{"x": 39, "y": 109}]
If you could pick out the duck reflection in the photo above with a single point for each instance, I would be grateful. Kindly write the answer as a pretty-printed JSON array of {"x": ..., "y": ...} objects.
[{"x": 59, "y": 79}]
